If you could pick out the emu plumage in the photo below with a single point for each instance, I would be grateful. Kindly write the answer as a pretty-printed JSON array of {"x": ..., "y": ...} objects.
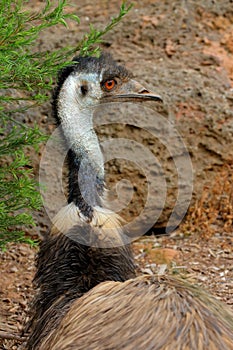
[
  {"x": 75, "y": 308},
  {"x": 145, "y": 313}
]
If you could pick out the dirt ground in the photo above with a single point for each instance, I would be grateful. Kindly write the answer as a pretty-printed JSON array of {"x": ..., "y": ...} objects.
[{"x": 183, "y": 50}]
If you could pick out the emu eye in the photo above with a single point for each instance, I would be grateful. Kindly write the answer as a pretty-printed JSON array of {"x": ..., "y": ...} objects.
[{"x": 109, "y": 85}]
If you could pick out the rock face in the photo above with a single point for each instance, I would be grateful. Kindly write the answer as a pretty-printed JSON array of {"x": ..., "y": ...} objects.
[{"x": 184, "y": 52}]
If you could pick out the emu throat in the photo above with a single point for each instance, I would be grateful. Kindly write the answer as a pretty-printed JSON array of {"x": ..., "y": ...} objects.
[{"x": 85, "y": 159}]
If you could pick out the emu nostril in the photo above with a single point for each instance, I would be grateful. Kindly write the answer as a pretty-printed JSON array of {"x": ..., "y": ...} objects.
[{"x": 143, "y": 91}]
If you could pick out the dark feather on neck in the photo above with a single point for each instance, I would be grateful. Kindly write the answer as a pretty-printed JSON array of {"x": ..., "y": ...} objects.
[{"x": 88, "y": 181}]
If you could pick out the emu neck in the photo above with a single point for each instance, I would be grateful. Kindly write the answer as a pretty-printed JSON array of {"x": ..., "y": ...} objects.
[{"x": 85, "y": 159}]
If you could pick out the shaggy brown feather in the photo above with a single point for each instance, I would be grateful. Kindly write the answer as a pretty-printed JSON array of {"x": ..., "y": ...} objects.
[
  {"x": 67, "y": 269},
  {"x": 159, "y": 313}
]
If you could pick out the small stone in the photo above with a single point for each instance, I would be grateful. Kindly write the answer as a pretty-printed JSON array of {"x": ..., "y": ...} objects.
[{"x": 14, "y": 269}]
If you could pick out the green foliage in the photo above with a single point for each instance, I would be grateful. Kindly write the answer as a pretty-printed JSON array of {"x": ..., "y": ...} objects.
[
  {"x": 26, "y": 79},
  {"x": 95, "y": 35}
]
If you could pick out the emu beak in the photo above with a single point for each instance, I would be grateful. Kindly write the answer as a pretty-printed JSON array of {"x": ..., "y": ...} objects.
[{"x": 132, "y": 91}]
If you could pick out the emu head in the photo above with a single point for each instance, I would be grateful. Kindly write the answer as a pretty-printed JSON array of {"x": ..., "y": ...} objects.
[{"x": 92, "y": 81}]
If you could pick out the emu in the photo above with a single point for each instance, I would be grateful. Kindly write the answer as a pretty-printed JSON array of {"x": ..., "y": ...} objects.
[{"x": 88, "y": 294}]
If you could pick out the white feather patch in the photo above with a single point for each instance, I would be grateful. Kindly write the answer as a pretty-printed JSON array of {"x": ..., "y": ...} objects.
[
  {"x": 66, "y": 218},
  {"x": 107, "y": 225}
]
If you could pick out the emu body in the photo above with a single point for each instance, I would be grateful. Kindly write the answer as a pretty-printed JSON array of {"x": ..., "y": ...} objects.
[
  {"x": 75, "y": 308},
  {"x": 158, "y": 312},
  {"x": 67, "y": 269}
]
